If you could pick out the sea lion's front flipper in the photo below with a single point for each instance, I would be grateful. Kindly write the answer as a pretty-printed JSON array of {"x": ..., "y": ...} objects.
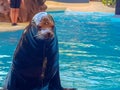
[{"x": 55, "y": 83}]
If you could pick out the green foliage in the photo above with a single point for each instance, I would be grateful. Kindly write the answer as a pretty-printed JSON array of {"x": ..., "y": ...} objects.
[{"x": 109, "y": 2}]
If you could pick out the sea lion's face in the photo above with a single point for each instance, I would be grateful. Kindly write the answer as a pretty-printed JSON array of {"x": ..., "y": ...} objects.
[{"x": 45, "y": 30}]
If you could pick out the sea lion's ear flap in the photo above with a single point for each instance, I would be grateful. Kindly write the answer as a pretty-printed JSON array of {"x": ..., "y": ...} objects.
[{"x": 52, "y": 20}]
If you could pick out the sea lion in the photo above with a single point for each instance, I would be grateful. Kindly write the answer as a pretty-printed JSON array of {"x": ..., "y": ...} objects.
[{"x": 35, "y": 64}]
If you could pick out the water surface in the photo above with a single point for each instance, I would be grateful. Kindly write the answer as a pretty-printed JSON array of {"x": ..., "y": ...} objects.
[{"x": 89, "y": 46}]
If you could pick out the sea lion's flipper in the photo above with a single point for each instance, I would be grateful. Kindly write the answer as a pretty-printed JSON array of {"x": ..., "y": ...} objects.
[
  {"x": 12, "y": 80},
  {"x": 55, "y": 83}
]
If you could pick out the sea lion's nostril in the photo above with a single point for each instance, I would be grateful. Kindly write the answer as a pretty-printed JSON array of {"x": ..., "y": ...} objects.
[{"x": 49, "y": 34}]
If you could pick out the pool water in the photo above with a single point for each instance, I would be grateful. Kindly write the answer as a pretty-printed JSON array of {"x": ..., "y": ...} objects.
[{"x": 89, "y": 46}]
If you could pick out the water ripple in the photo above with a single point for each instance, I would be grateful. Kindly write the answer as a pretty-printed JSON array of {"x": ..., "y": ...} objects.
[
  {"x": 77, "y": 44},
  {"x": 4, "y": 56}
]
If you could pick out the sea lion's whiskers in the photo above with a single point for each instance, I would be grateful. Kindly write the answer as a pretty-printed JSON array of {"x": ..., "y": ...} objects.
[{"x": 36, "y": 36}]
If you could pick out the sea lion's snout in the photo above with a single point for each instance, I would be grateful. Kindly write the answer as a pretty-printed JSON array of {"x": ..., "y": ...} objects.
[
  {"x": 49, "y": 35},
  {"x": 45, "y": 34}
]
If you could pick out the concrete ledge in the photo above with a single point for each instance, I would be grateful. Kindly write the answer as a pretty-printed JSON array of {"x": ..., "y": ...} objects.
[
  {"x": 7, "y": 26},
  {"x": 56, "y": 9},
  {"x": 73, "y": 1},
  {"x": 60, "y": 6}
]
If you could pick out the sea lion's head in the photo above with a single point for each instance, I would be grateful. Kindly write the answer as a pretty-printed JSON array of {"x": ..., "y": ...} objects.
[{"x": 45, "y": 26}]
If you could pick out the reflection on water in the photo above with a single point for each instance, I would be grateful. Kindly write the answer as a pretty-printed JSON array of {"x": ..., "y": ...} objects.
[{"x": 89, "y": 46}]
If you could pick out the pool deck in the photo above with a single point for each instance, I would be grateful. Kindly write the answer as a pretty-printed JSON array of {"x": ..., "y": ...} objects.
[{"x": 57, "y": 6}]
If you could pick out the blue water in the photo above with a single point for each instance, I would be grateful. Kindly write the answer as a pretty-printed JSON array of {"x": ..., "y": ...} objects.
[{"x": 89, "y": 46}]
